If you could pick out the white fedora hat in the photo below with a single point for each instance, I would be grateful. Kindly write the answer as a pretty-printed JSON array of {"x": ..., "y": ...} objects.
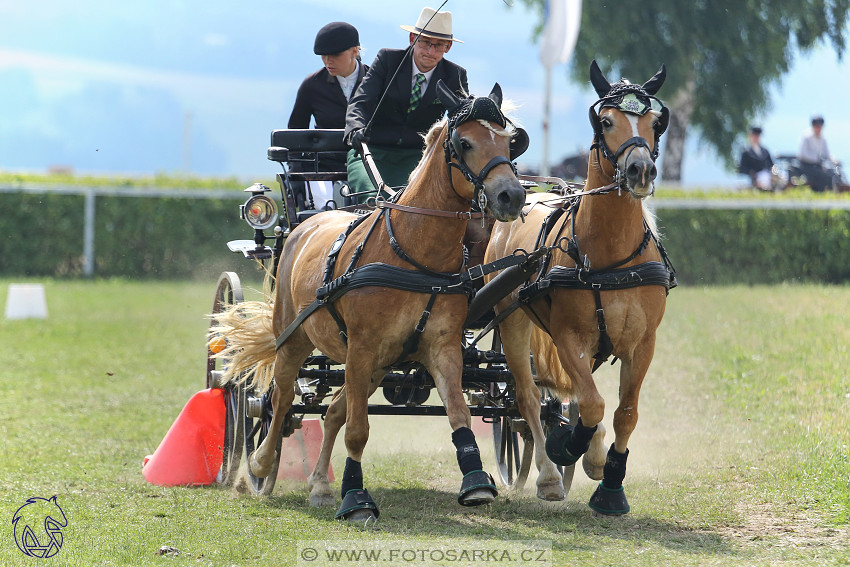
[{"x": 439, "y": 26}]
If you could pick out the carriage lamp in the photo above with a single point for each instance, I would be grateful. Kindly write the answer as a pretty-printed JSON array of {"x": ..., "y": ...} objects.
[{"x": 259, "y": 211}]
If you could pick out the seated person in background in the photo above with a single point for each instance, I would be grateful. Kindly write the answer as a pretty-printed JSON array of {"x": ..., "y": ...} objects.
[
  {"x": 410, "y": 105},
  {"x": 813, "y": 155},
  {"x": 756, "y": 161},
  {"x": 324, "y": 95}
]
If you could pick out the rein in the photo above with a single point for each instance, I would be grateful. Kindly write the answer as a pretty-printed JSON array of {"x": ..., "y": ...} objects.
[{"x": 460, "y": 215}]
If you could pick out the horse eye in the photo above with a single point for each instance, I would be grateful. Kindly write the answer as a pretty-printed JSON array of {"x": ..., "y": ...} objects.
[
  {"x": 465, "y": 145},
  {"x": 606, "y": 122}
]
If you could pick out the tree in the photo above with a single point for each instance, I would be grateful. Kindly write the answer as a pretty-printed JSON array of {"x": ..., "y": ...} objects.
[{"x": 722, "y": 57}]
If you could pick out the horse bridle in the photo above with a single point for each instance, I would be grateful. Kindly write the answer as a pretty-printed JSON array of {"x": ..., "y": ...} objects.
[
  {"x": 454, "y": 158},
  {"x": 616, "y": 99},
  {"x": 453, "y": 148}
]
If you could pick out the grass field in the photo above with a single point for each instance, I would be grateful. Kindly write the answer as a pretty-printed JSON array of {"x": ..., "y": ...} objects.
[{"x": 741, "y": 455}]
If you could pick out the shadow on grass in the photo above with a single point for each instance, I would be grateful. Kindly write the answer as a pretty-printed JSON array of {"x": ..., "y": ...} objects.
[{"x": 570, "y": 525}]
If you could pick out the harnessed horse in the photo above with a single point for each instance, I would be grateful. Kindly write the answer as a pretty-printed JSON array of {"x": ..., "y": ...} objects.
[
  {"x": 600, "y": 290},
  {"x": 400, "y": 297}
]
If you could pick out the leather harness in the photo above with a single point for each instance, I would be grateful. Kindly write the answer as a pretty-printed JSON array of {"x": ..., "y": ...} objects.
[
  {"x": 611, "y": 277},
  {"x": 421, "y": 279}
]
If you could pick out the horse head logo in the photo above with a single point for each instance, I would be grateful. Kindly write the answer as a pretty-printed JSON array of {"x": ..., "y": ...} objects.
[{"x": 38, "y": 527}]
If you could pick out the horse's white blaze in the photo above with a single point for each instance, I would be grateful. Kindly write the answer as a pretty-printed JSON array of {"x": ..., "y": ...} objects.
[{"x": 633, "y": 122}]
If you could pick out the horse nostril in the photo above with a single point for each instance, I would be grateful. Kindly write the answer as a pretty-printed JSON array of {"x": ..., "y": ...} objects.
[
  {"x": 633, "y": 171},
  {"x": 504, "y": 198},
  {"x": 652, "y": 172}
]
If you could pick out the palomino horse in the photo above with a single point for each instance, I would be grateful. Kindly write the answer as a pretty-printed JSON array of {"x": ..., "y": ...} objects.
[
  {"x": 378, "y": 311},
  {"x": 600, "y": 291}
]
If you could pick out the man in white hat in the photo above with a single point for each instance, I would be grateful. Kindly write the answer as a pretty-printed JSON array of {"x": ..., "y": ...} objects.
[{"x": 409, "y": 107}]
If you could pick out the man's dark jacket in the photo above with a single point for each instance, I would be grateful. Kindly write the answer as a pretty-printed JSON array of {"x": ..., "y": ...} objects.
[
  {"x": 321, "y": 96},
  {"x": 392, "y": 126}
]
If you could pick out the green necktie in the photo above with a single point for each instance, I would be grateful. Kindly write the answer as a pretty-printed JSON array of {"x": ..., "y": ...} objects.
[{"x": 416, "y": 93}]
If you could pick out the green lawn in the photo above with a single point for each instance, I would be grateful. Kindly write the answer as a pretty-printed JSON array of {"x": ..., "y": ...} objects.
[{"x": 740, "y": 457}]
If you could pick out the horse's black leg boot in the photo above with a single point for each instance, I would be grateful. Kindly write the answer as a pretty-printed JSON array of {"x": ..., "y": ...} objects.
[
  {"x": 567, "y": 443},
  {"x": 476, "y": 483},
  {"x": 352, "y": 478},
  {"x": 610, "y": 498},
  {"x": 354, "y": 496},
  {"x": 468, "y": 456}
]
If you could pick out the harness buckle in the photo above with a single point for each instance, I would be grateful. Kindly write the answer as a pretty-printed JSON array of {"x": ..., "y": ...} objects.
[
  {"x": 476, "y": 272},
  {"x": 600, "y": 321},
  {"x": 420, "y": 327}
]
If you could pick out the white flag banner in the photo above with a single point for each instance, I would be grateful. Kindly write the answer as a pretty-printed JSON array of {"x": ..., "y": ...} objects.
[{"x": 560, "y": 32}]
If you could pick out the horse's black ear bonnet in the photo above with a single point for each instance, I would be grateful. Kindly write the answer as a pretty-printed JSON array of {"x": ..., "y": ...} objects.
[
  {"x": 463, "y": 109},
  {"x": 628, "y": 97}
]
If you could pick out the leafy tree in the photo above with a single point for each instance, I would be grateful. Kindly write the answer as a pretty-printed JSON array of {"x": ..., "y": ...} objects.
[{"x": 722, "y": 56}]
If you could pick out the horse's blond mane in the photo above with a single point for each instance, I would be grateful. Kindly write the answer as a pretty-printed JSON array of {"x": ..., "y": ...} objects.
[{"x": 650, "y": 218}]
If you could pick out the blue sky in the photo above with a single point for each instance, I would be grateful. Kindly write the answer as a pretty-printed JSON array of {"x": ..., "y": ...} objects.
[{"x": 106, "y": 86}]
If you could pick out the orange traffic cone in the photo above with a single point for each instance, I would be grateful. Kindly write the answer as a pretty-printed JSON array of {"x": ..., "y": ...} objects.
[
  {"x": 300, "y": 451},
  {"x": 191, "y": 451}
]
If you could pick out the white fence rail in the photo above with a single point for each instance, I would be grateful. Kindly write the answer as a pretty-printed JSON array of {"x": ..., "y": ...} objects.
[{"x": 91, "y": 193}]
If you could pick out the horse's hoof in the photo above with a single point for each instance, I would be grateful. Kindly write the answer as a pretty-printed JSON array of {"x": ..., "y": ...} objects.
[
  {"x": 365, "y": 518},
  {"x": 357, "y": 506},
  {"x": 322, "y": 500},
  {"x": 593, "y": 471},
  {"x": 476, "y": 489},
  {"x": 553, "y": 492},
  {"x": 477, "y": 497},
  {"x": 256, "y": 468},
  {"x": 609, "y": 501}
]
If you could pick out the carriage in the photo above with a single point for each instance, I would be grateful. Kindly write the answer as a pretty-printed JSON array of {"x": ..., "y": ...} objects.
[
  {"x": 405, "y": 390},
  {"x": 311, "y": 333}
]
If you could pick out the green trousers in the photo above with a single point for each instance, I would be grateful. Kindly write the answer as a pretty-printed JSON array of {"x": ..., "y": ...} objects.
[{"x": 394, "y": 165}]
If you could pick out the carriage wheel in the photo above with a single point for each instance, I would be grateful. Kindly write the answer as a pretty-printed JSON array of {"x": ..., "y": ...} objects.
[
  {"x": 228, "y": 292},
  {"x": 514, "y": 451},
  {"x": 257, "y": 420},
  {"x": 514, "y": 444},
  {"x": 512, "y": 440}
]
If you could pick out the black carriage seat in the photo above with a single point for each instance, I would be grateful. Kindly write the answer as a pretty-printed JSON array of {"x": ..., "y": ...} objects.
[{"x": 312, "y": 155}]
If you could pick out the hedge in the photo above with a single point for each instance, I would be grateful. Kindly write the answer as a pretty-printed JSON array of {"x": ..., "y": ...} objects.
[
  {"x": 169, "y": 238},
  {"x": 757, "y": 246},
  {"x": 135, "y": 237}
]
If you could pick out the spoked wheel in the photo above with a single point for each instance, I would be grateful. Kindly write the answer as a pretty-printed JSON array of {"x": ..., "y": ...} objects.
[
  {"x": 257, "y": 421},
  {"x": 514, "y": 448},
  {"x": 512, "y": 441},
  {"x": 228, "y": 292}
]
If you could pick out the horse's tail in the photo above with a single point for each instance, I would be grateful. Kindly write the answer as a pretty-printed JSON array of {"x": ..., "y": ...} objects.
[
  {"x": 249, "y": 342},
  {"x": 549, "y": 370}
]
